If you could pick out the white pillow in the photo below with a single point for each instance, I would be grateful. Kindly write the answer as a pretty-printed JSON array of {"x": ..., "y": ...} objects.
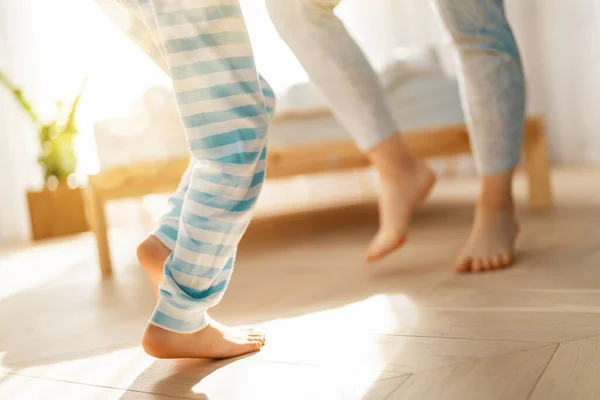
[
  {"x": 305, "y": 98},
  {"x": 408, "y": 61}
]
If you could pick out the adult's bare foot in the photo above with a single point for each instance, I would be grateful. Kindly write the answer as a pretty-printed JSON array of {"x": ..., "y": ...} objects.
[
  {"x": 215, "y": 341},
  {"x": 399, "y": 198},
  {"x": 492, "y": 241},
  {"x": 405, "y": 181}
]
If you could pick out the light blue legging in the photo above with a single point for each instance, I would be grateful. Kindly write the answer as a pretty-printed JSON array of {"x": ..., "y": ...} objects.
[
  {"x": 225, "y": 109},
  {"x": 490, "y": 73}
]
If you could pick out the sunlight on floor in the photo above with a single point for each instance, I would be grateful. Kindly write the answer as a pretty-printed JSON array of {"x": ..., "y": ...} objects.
[
  {"x": 238, "y": 381},
  {"x": 379, "y": 312},
  {"x": 320, "y": 344},
  {"x": 57, "y": 257}
]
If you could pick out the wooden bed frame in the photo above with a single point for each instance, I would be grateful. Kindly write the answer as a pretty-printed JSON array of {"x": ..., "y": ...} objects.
[{"x": 163, "y": 177}]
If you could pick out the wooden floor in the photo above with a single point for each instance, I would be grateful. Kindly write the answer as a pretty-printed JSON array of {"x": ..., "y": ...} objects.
[{"x": 406, "y": 328}]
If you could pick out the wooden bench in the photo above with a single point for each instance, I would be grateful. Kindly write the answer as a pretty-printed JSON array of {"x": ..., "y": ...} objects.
[{"x": 162, "y": 177}]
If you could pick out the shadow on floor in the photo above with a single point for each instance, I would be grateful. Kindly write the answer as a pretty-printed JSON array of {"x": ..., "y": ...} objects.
[{"x": 184, "y": 375}]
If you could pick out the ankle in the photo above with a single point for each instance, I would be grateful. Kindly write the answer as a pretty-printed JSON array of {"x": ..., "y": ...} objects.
[
  {"x": 394, "y": 170},
  {"x": 393, "y": 159},
  {"x": 152, "y": 252},
  {"x": 496, "y": 193},
  {"x": 495, "y": 204}
]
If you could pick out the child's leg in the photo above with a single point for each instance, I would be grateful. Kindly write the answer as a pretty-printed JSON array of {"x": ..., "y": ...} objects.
[
  {"x": 493, "y": 91},
  {"x": 337, "y": 65},
  {"x": 154, "y": 250},
  {"x": 168, "y": 225},
  {"x": 224, "y": 113}
]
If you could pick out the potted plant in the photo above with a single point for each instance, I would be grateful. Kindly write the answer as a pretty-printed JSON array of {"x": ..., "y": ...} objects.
[{"x": 58, "y": 209}]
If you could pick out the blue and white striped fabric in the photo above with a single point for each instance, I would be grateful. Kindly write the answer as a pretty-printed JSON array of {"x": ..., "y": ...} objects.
[{"x": 225, "y": 108}]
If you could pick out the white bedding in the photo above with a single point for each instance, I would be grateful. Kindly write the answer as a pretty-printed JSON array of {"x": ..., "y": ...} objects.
[
  {"x": 421, "y": 102},
  {"x": 419, "y": 93}
]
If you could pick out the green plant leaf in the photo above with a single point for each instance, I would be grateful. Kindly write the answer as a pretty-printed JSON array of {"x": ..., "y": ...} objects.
[
  {"x": 70, "y": 127},
  {"x": 57, "y": 156},
  {"x": 18, "y": 94}
]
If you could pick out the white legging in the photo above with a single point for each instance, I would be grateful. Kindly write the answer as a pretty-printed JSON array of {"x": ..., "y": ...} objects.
[{"x": 491, "y": 76}]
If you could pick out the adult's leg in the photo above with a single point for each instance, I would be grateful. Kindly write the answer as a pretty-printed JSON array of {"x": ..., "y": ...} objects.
[
  {"x": 224, "y": 113},
  {"x": 339, "y": 68},
  {"x": 493, "y": 93}
]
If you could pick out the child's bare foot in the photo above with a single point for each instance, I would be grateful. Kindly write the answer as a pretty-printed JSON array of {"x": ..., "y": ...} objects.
[
  {"x": 214, "y": 341},
  {"x": 399, "y": 197},
  {"x": 151, "y": 254},
  {"x": 492, "y": 240}
]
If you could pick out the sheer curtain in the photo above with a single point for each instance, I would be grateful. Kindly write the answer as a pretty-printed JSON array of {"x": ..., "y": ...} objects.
[{"x": 16, "y": 136}]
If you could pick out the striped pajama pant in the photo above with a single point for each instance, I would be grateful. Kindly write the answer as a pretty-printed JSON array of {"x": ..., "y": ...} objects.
[{"x": 225, "y": 108}]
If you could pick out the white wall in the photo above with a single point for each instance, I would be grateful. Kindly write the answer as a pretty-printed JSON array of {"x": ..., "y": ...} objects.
[{"x": 560, "y": 40}]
